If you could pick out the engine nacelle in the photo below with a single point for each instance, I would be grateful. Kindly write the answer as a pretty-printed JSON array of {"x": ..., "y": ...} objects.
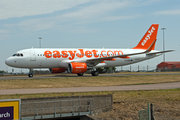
[
  {"x": 76, "y": 68},
  {"x": 57, "y": 70}
]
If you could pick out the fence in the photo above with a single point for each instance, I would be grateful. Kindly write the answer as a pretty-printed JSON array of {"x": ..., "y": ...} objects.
[
  {"x": 147, "y": 114},
  {"x": 53, "y": 109}
]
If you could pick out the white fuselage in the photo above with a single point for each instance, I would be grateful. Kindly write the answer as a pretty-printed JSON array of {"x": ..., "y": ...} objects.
[{"x": 60, "y": 58}]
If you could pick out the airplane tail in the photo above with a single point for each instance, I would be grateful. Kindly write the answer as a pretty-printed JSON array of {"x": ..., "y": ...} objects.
[{"x": 149, "y": 38}]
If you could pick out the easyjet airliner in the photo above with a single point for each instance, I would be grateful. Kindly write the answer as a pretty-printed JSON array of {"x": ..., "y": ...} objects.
[{"x": 80, "y": 61}]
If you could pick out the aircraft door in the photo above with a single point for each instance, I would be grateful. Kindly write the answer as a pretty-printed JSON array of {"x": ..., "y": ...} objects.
[{"x": 32, "y": 55}]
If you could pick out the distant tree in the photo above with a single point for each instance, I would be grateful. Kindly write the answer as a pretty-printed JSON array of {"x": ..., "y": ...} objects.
[
  {"x": 114, "y": 69},
  {"x": 105, "y": 69},
  {"x": 2, "y": 71},
  {"x": 100, "y": 70}
]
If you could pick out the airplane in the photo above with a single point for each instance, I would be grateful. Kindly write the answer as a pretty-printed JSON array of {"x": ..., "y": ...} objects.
[{"x": 83, "y": 60}]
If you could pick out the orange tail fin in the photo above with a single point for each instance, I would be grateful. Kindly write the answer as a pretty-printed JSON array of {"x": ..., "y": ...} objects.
[{"x": 148, "y": 38}]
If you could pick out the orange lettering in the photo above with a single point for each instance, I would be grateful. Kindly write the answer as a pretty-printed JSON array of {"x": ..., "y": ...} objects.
[
  {"x": 95, "y": 53},
  {"x": 72, "y": 55},
  {"x": 81, "y": 53},
  {"x": 47, "y": 54},
  {"x": 56, "y": 54},
  {"x": 64, "y": 54},
  {"x": 88, "y": 54},
  {"x": 109, "y": 54},
  {"x": 102, "y": 53},
  {"x": 118, "y": 52}
]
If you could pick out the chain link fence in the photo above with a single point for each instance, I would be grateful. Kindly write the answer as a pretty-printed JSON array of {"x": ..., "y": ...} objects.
[{"x": 145, "y": 114}]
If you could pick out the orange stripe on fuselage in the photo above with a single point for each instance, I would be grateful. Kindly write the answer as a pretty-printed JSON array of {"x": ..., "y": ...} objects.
[{"x": 124, "y": 57}]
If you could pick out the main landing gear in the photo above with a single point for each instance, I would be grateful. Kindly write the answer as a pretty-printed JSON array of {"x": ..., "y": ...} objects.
[
  {"x": 30, "y": 75},
  {"x": 94, "y": 73},
  {"x": 80, "y": 74}
]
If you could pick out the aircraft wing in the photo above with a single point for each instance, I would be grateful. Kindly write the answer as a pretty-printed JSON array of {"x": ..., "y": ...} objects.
[
  {"x": 98, "y": 60},
  {"x": 117, "y": 56},
  {"x": 160, "y": 52}
]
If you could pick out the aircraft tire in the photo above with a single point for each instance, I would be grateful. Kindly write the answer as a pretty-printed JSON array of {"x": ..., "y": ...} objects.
[
  {"x": 30, "y": 75},
  {"x": 94, "y": 73},
  {"x": 80, "y": 74}
]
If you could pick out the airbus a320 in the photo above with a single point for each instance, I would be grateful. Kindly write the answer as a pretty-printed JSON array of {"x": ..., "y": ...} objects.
[{"x": 80, "y": 61}]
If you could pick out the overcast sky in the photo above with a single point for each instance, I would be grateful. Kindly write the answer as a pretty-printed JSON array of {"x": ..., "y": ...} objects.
[{"x": 87, "y": 24}]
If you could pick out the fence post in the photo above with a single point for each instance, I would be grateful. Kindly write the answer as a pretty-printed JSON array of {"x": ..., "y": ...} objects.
[
  {"x": 149, "y": 112},
  {"x": 54, "y": 109},
  {"x": 90, "y": 106},
  {"x": 152, "y": 114},
  {"x": 72, "y": 107},
  {"x": 41, "y": 110},
  {"x": 79, "y": 106},
  {"x": 35, "y": 111},
  {"x": 60, "y": 109}
]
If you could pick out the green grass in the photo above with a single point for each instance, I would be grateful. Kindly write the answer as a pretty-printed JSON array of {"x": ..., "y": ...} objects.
[
  {"x": 169, "y": 95},
  {"x": 65, "y": 82}
]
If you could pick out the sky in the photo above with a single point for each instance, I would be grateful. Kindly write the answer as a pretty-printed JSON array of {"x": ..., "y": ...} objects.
[{"x": 88, "y": 24}]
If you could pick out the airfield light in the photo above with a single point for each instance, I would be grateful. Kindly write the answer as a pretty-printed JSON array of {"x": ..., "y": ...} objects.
[
  {"x": 163, "y": 44},
  {"x": 39, "y": 42}
]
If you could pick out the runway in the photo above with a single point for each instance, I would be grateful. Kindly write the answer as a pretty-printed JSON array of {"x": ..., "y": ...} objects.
[
  {"x": 92, "y": 89},
  {"x": 74, "y": 75}
]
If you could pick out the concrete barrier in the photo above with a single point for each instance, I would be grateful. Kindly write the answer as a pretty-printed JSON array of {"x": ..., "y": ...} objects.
[{"x": 101, "y": 103}]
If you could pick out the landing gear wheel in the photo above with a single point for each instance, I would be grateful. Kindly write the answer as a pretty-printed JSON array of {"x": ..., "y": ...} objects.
[
  {"x": 30, "y": 75},
  {"x": 80, "y": 74},
  {"x": 94, "y": 73}
]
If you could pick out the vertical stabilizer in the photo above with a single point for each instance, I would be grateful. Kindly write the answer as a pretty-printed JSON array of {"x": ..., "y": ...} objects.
[{"x": 148, "y": 38}]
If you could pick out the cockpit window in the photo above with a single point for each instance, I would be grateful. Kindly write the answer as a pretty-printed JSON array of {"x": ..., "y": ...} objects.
[{"x": 18, "y": 54}]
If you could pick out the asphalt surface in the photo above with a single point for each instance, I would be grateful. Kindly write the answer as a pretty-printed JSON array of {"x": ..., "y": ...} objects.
[
  {"x": 92, "y": 89},
  {"x": 74, "y": 75}
]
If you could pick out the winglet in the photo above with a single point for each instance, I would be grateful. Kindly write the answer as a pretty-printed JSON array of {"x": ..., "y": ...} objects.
[{"x": 148, "y": 38}]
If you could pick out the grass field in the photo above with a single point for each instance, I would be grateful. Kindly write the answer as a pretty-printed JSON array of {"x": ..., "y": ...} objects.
[
  {"x": 64, "y": 82},
  {"x": 126, "y": 103}
]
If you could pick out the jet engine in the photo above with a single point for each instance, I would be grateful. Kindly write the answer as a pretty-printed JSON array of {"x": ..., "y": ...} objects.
[
  {"x": 77, "y": 68},
  {"x": 57, "y": 70}
]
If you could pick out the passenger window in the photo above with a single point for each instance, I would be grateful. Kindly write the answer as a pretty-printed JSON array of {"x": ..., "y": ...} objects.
[
  {"x": 18, "y": 55},
  {"x": 22, "y": 55}
]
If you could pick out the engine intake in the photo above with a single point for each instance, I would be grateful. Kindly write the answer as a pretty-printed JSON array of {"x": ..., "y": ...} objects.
[{"x": 76, "y": 68}]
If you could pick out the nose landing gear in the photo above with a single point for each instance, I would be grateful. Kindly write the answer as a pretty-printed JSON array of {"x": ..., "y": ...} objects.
[{"x": 30, "y": 75}]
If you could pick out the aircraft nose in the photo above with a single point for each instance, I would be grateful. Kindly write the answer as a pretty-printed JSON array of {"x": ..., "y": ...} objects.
[{"x": 7, "y": 61}]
